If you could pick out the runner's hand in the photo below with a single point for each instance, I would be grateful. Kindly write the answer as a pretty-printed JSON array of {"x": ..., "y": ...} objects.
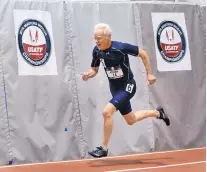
[
  {"x": 85, "y": 76},
  {"x": 151, "y": 79}
]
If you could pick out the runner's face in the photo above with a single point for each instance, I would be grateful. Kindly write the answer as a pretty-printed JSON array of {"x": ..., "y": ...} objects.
[{"x": 101, "y": 40}]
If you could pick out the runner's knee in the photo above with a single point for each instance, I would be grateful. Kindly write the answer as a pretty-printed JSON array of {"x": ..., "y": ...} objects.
[
  {"x": 109, "y": 110},
  {"x": 107, "y": 114},
  {"x": 129, "y": 118},
  {"x": 129, "y": 122}
]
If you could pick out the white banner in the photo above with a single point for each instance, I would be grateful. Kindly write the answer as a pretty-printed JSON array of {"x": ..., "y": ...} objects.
[
  {"x": 35, "y": 43},
  {"x": 171, "y": 42}
]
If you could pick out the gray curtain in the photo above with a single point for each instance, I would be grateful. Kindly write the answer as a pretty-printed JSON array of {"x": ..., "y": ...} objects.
[{"x": 53, "y": 118}]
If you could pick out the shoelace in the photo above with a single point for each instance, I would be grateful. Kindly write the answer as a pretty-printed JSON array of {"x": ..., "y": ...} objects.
[{"x": 97, "y": 150}]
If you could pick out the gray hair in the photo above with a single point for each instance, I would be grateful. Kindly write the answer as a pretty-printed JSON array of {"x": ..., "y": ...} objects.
[{"x": 105, "y": 27}]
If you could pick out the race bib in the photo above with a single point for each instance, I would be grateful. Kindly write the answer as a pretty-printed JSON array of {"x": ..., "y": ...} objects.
[{"x": 114, "y": 72}]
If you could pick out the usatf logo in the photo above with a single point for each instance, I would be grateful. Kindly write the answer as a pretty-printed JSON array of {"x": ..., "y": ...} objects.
[
  {"x": 171, "y": 41},
  {"x": 34, "y": 42}
]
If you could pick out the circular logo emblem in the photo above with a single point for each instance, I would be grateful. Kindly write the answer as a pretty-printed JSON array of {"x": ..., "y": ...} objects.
[
  {"x": 34, "y": 42},
  {"x": 171, "y": 41}
]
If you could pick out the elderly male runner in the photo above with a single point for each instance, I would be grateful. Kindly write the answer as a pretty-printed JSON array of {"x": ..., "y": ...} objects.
[{"x": 114, "y": 57}]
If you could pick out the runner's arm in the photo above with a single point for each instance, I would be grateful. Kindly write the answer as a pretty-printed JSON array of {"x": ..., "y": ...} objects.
[
  {"x": 134, "y": 50},
  {"x": 94, "y": 65},
  {"x": 92, "y": 72},
  {"x": 145, "y": 59}
]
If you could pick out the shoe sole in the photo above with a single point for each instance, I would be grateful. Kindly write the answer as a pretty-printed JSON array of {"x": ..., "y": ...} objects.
[
  {"x": 95, "y": 155},
  {"x": 92, "y": 155},
  {"x": 167, "y": 121}
]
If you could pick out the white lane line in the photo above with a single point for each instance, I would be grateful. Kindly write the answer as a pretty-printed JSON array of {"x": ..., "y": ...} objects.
[
  {"x": 164, "y": 166},
  {"x": 96, "y": 159}
]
